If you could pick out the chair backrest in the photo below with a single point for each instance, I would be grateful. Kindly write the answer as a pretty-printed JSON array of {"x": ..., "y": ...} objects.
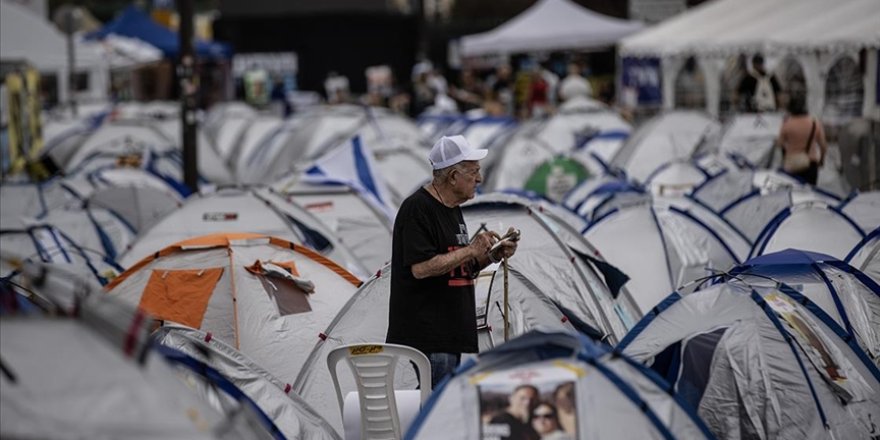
[{"x": 373, "y": 368}]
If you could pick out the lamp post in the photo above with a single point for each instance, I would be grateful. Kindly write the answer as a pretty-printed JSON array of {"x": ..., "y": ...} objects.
[{"x": 188, "y": 94}]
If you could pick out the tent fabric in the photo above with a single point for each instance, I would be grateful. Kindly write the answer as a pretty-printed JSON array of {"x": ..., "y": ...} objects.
[
  {"x": 238, "y": 210},
  {"x": 238, "y": 312},
  {"x": 680, "y": 246},
  {"x": 135, "y": 23},
  {"x": 550, "y": 25},
  {"x": 358, "y": 223},
  {"x": 674, "y": 135},
  {"x": 865, "y": 256},
  {"x": 864, "y": 209},
  {"x": 633, "y": 402},
  {"x": 765, "y": 375},
  {"x": 842, "y": 291},
  {"x": 293, "y": 415},
  {"x": 548, "y": 255},
  {"x": 180, "y": 295},
  {"x": 364, "y": 319},
  {"x": 727, "y": 27},
  {"x": 810, "y": 226}
]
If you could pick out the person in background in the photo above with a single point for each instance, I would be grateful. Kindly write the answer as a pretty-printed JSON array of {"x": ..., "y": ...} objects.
[
  {"x": 758, "y": 91},
  {"x": 802, "y": 139},
  {"x": 434, "y": 262},
  {"x": 563, "y": 398},
  {"x": 574, "y": 84}
]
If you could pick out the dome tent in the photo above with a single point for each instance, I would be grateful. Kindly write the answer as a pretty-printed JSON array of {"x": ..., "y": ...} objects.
[
  {"x": 633, "y": 403},
  {"x": 844, "y": 293},
  {"x": 557, "y": 259},
  {"x": 810, "y": 226},
  {"x": 364, "y": 319},
  {"x": 112, "y": 382},
  {"x": 244, "y": 210},
  {"x": 759, "y": 362},
  {"x": 293, "y": 416},
  {"x": 265, "y": 296},
  {"x": 865, "y": 256}
]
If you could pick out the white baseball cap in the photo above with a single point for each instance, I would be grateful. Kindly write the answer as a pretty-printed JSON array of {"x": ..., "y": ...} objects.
[{"x": 450, "y": 150}]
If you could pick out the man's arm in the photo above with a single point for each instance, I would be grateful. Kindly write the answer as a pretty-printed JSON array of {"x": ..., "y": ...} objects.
[{"x": 444, "y": 263}]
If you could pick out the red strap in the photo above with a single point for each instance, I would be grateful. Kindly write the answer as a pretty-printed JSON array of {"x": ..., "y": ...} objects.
[
  {"x": 131, "y": 334},
  {"x": 322, "y": 336},
  {"x": 287, "y": 388},
  {"x": 208, "y": 337}
]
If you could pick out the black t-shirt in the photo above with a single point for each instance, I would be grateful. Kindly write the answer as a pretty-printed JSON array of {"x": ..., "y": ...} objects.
[{"x": 435, "y": 314}]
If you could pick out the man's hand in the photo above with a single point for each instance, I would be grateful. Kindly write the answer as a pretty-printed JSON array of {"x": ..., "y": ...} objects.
[
  {"x": 482, "y": 243},
  {"x": 506, "y": 248}
]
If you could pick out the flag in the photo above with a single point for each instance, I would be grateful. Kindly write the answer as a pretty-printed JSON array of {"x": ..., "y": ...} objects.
[{"x": 351, "y": 163}]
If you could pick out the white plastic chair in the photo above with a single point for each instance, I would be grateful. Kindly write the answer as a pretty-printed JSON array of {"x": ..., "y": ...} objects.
[{"x": 373, "y": 368}]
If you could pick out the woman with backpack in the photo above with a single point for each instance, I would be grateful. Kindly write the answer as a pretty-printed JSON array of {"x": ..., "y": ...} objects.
[{"x": 802, "y": 139}]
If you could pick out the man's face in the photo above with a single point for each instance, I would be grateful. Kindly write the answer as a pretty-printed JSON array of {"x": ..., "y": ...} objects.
[
  {"x": 522, "y": 401},
  {"x": 467, "y": 177}
]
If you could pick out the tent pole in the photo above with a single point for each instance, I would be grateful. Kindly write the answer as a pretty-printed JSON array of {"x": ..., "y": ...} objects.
[
  {"x": 506, "y": 304},
  {"x": 188, "y": 94}
]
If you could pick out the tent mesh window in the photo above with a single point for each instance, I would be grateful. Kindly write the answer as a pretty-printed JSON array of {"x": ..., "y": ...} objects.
[{"x": 844, "y": 91}]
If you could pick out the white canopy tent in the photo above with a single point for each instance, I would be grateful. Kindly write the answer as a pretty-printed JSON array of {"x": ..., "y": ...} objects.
[
  {"x": 816, "y": 33},
  {"x": 550, "y": 25},
  {"x": 25, "y": 36}
]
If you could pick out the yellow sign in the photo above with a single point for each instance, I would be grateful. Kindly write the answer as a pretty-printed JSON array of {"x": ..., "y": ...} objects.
[{"x": 365, "y": 349}]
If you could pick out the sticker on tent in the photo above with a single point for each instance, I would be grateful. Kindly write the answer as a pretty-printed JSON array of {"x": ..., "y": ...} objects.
[
  {"x": 319, "y": 206},
  {"x": 529, "y": 403},
  {"x": 220, "y": 216},
  {"x": 556, "y": 177}
]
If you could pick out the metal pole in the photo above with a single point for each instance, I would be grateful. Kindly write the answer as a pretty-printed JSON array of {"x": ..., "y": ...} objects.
[
  {"x": 188, "y": 94},
  {"x": 506, "y": 304},
  {"x": 71, "y": 60}
]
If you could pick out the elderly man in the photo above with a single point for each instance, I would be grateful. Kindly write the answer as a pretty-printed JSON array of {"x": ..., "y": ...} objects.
[{"x": 433, "y": 264}]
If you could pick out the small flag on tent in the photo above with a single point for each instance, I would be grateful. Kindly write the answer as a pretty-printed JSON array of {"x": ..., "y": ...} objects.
[{"x": 351, "y": 163}]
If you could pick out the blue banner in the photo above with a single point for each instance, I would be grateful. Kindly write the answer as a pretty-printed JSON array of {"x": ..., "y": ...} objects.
[{"x": 642, "y": 75}]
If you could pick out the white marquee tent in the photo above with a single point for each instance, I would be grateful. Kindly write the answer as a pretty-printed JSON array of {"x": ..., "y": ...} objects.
[
  {"x": 550, "y": 25},
  {"x": 817, "y": 33}
]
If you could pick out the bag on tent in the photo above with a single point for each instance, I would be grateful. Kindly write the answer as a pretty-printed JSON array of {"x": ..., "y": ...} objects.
[{"x": 764, "y": 99}]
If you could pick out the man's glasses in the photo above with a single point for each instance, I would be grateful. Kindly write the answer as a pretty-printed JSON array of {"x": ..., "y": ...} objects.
[{"x": 542, "y": 416}]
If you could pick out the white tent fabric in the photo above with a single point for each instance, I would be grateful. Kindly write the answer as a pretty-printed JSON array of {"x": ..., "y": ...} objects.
[
  {"x": 550, "y": 25},
  {"x": 737, "y": 26},
  {"x": 750, "y": 364},
  {"x": 23, "y": 201},
  {"x": 751, "y": 136},
  {"x": 48, "y": 244},
  {"x": 543, "y": 139},
  {"x": 865, "y": 256},
  {"x": 864, "y": 209},
  {"x": 358, "y": 224},
  {"x": 550, "y": 254},
  {"x": 810, "y": 226},
  {"x": 364, "y": 319},
  {"x": 675, "y": 135},
  {"x": 293, "y": 416},
  {"x": 662, "y": 248},
  {"x": 267, "y": 314},
  {"x": 25, "y": 36},
  {"x": 257, "y": 210},
  {"x": 606, "y": 396},
  {"x": 814, "y": 32}
]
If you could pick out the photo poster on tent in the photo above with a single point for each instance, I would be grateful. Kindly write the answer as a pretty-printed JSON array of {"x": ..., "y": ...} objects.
[
  {"x": 825, "y": 357},
  {"x": 537, "y": 402},
  {"x": 641, "y": 82}
]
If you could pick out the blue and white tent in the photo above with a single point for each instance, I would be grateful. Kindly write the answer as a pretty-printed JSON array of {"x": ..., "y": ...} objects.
[
  {"x": 559, "y": 261},
  {"x": 844, "y": 293},
  {"x": 865, "y": 256},
  {"x": 760, "y": 362},
  {"x": 810, "y": 226},
  {"x": 671, "y": 136},
  {"x": 596, "y": 394},
  {"x": 289, "y": 412},
  {"x": 863, "y": 208},
  {"x": 584, "y": 130},
  {"x": 662, "y": 246},
  {"x": 595, "y": 197}
]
